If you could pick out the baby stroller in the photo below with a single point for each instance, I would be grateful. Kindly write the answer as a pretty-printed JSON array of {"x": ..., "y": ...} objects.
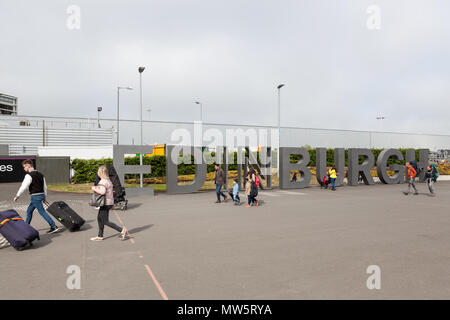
[
  {"x": 118, "y": 190},
  {"x": 325, "y": 182}
]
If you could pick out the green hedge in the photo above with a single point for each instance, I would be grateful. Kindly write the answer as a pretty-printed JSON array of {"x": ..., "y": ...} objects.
[{"x": 85, "y": 170}]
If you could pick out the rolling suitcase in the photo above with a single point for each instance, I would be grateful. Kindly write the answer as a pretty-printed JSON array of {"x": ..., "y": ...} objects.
[
  {"x": 16, "y": 231},
  {"x": 64, "y": 214}
]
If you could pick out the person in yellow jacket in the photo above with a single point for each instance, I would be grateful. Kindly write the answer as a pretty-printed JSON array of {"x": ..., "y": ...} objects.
[{"x": 332, "y": 173}]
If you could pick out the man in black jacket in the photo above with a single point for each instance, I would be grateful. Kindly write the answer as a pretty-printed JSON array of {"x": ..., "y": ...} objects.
[
  {"x": 219, "y": 180},
  {"x": 34, "y": 181}
]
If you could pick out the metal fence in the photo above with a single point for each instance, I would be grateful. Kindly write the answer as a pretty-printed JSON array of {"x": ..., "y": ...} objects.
[{"x": 58, "y": 131}]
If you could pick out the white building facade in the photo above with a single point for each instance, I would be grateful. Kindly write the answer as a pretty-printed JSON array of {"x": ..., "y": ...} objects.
[{"x": 26, "y": 134}]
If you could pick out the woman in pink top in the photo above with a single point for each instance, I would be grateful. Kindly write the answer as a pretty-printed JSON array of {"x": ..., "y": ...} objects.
[{"x": 105, "y": 187}]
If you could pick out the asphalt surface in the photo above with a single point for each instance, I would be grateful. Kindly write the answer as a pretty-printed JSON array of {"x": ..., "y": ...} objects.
[{"x": 300, "y": 244}]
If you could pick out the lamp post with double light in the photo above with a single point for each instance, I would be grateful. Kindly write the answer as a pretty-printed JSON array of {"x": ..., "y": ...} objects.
[
  {"x": 141, "y": 69},
  {"x": 201, "y": 109},
  {"x": 118, "y": 108},
  {"x": 279, "y": 127},
  {"x": 99, "y": 109}
]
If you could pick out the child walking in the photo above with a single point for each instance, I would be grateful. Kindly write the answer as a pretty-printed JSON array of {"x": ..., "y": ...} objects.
[{"x": 236, "y": 199}]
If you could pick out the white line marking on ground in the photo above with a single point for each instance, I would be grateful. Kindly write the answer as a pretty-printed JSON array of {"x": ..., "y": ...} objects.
[
  {"x": 281, "y": 193},
  {"x": 150, "y": 272},
  {"x": 158, "y": 286},
  {"x": 292, "y": 193}
]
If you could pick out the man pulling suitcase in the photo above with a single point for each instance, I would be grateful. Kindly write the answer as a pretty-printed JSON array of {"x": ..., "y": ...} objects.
[{"x": 34, "y": 181}]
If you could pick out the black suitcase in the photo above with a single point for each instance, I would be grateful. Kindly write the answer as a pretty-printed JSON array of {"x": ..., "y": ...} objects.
[{"x": 64, "y": 214}]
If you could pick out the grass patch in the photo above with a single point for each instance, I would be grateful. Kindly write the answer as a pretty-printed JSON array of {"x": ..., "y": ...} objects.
[{"x": 73, "y": 188}]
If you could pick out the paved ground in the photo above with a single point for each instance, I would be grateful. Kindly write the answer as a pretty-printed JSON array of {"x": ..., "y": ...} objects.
[{"x": 305, "y": 244}]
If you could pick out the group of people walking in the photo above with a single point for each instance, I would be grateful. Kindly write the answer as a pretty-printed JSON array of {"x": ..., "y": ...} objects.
[
  {"x": 412, "y": 171},
  {"x": 252, "y": 184},
  {"x": 36, "y": 185},
  {"x": 431, "y": 176}
]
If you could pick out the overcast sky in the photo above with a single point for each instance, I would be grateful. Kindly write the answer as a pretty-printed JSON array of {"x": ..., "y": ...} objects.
[{"x": 231, "y": 55}]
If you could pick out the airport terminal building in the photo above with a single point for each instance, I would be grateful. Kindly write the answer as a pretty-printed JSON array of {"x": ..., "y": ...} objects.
[{"x": 8, "y": 104}]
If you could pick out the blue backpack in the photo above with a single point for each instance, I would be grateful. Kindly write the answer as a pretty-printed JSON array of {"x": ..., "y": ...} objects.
[{"x": 414, "y": 165}]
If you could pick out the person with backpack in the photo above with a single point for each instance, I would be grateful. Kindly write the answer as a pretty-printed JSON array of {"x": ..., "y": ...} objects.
[
  {"x": 415, "y": 166},
  {"x": 411, "y": 174},
  {"x": 34, "y": 181},
  {"x": 105, "y": 187},
  {"x": 430, "y": 178},
  {"x": 255, "y": 177},
  {"x": 255, "y": 186},
  {"x": 435, "y": 170}
]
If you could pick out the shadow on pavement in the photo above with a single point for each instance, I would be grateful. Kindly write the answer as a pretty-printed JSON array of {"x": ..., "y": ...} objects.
[
  {"x": 45, "y": 239},
  {"x": 139, "y": 229},
  {"x": 113, "y": 236},
  {"x": 85, "y": 227},
  {"x": 133, "y": 205},
  {"x": 132, "y": 231}
]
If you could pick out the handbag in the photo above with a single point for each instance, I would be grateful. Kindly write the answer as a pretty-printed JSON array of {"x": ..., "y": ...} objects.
[{"x": 98, "y": 200}]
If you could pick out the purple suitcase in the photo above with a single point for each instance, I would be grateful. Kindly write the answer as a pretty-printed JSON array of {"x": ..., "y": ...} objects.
[{"x": 18, "y": 233}]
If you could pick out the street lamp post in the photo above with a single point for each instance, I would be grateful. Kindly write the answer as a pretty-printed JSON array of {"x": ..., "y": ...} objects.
[
  {"x": 201, "y": 109},
  {"x": 381, "y": 118},
  {"x": 279, "y": 126},
  {"x": 118, "y": 103},
  {"x": 141, "y": 69},
  {"x": 99, "y": 109},
  {"x": 149, "y": 113}
]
